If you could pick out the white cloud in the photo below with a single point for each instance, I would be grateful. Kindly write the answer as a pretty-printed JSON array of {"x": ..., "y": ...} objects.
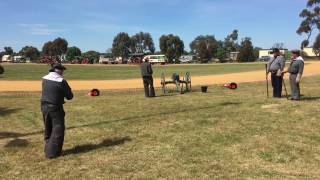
[{"x": 40, "y": 29}]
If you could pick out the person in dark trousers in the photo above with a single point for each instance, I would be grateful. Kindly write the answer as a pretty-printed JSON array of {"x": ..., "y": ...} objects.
[
  {"x": 146, "y": 73},
  {"x": 296, "y": 70},
  {"x": 275, "y": 67},
  {"x": 54, "y": 90}
]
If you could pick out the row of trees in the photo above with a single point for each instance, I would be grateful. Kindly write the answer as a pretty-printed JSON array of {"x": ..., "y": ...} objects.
[
  {"x": 123, "y": 45},
  {"x": 204, "y": 47},
  {"x": 29, "y": 52},
  {"x": 55, "y": 50},
  {"x": 59, "y": 47}
]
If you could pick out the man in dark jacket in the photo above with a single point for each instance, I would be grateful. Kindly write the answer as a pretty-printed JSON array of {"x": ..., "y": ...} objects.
[
  {"x": 146, "y": 73},
  {"x": 54, "y": 90}
]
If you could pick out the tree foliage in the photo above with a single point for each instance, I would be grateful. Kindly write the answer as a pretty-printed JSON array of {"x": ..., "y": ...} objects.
[
  {"x": 142, "y": 43},
  {"x": 278, "y": 45},
  {"x": 220, "y": 54},
  {"x": 60, "y": 46},
  {"x": 310, "y": 22},
  {"x": 48, "y": 49},
  {"x": 30, "y": 52},
  {"x": 230, "y": 42},
  {"x": 92, "y": 56},
  {"x": 8, "y": 51},
  {"x": 72, "y": 53},
  {"x": 121, "y": 45},
  {"x": 204, "y": 47},
  {"x": 55, "y": 48},
  {"x": 1, "y": 55},
  {"x": 172, "y": 46},
  {"x": 246, "y": 52}
]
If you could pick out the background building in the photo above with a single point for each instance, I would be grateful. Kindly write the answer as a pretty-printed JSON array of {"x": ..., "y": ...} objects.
[{"x": 308, "y": 52}]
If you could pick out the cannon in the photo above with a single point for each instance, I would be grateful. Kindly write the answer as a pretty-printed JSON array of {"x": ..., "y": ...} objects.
[{"x": 182, "y": 86}]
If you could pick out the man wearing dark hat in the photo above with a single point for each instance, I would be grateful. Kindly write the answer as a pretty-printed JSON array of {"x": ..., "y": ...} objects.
[
  {"x": 296, "y": 70},
  {"x": 54, "y": 90},
  {"x": 146, "y": 73},
  {"x": 275, "y": 67}
]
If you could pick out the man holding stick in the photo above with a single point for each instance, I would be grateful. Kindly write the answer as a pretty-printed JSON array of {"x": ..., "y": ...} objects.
[
  {"x": 295, "y": 69},
  {"x": 275, "y": 67}
]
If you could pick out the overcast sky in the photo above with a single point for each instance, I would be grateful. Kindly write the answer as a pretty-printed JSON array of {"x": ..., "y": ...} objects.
[{"x": 92, "y": 24}]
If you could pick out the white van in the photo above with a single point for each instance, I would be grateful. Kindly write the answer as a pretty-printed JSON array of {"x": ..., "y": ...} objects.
[{"x": 156, "y": 59}]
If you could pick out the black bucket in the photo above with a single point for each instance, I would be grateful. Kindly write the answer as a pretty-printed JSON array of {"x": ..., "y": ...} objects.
[{"x": 204, "y": 89}]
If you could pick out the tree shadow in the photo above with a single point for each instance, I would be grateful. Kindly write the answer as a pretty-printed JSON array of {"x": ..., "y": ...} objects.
[
  {"x": 4, "y": 135},
  {"x": 139, "y": 118},
  {"x": 17, "y": 143},
  {"x": 169, "y": 95},
  {"x": 309, "y": 98},
  {"x": 90, "y": 147},
  {"x": 7, "y": 111},
  {"x": 230, "y": 103}
]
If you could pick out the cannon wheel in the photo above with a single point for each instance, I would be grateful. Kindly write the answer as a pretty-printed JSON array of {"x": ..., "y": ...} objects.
[
  {"x": 181, "y": 90},
  {"x": 1, "y": 70},
  {"x": 178, "y": 87},
  {"x": 188, "y": 81},
  {"x": 163, "y": 83}
]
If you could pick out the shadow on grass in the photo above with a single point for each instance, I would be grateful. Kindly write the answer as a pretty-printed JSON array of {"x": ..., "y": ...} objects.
[
  {"x": 309, "y": 98},
  {"x": 230, "y": 103},
  {"x": 4, "y": 135},
  {"x": 17, "y": 143},
  {"x": 168, "y": 95},
  {"x": 7, "y": 111},
  {"x": 138, "y": 118},
  {"x": 91, "y": 147}
]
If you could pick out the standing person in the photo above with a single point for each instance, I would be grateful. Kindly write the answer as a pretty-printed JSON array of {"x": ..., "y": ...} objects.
[
  {"x": 275, "y": 67},
  {"x": 54, "y": 90},
  {"x": 146, "y": 73},
  {"x": 296, "y": 70}
]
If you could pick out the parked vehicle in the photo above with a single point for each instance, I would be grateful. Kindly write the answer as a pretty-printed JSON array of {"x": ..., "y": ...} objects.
[
  {"x": 156, "y": 59},
  {"x": 186, "y": 59},
  {"x": 264, "y": 58}
]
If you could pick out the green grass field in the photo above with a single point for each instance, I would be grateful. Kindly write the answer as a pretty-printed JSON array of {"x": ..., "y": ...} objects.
[
  {"x": 108, "y": 72},
  {"x": 222, "y": 134}
]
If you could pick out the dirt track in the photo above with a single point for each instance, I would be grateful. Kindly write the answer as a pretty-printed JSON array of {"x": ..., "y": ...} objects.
[{"x": 312, "y": 68}]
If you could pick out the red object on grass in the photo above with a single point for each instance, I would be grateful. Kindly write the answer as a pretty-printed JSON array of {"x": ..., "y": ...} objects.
[
  {"x": 232, "y": 86},
  {"x": 94, "y": 92}
]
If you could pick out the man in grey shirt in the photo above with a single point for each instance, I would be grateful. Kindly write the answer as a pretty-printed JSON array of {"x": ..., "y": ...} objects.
[
  {"x": 296, "y": 70},
  {"x": 54, "y": 90},
  {"x": 275, "y": 67}
]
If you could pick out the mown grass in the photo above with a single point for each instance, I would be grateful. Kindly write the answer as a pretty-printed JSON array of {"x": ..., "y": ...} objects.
[
  {"x": 222, "y": 134},
  {"x": 108, "y": 72}
]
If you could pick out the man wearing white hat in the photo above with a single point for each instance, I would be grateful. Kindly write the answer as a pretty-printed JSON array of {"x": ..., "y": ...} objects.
[{"x": 54, "y": 90}]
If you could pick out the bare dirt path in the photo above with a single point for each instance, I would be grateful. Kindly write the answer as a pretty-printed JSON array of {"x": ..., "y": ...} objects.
[{"x": 311, "y": 69}]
